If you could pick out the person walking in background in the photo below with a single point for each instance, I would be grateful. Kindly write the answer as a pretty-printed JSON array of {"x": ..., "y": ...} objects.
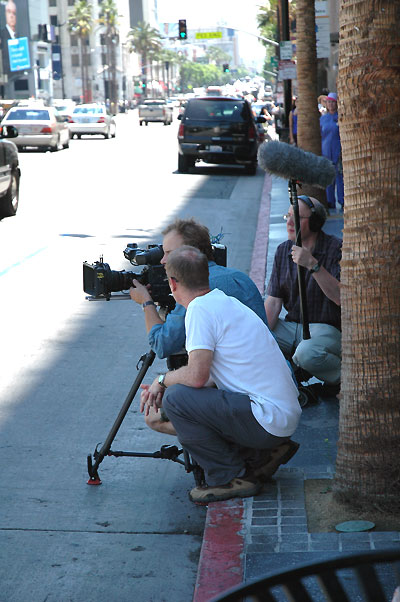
[
  {"x": 332, "y": 149},
  {"x": 293, "y": 123}
]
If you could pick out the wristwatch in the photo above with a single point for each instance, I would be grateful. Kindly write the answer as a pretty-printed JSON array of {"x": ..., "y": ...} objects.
[
  {"x": 161, "y": 379},
  {"x": 146, "y": 303},
  {"x": 315, "y": 268}
]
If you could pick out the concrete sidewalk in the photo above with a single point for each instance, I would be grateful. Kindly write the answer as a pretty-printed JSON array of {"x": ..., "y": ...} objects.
[{"x": 246, "y": 539}]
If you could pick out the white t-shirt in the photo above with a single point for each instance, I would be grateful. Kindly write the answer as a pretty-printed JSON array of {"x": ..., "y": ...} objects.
[{"x": 247, "y": 359}]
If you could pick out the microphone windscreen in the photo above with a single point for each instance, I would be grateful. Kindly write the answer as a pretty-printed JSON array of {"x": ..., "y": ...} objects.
[{"x": 293, "y": 163}]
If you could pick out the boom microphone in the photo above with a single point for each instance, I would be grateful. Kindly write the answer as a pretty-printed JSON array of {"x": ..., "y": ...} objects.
[{"x": 293, "y": 163}]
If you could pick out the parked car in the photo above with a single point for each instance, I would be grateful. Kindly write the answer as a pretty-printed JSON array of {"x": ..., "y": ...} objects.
[
  {"x": 38, "y": 126},
  {"x": 218, "y": 130},
  {"x": 91, "y": 119},
  {"x": 9, "y": 172},
  {"x": 155, "y": 109}
]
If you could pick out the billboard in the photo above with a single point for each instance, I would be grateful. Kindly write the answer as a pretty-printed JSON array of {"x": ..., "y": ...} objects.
[{"x": 14, "y": 35}]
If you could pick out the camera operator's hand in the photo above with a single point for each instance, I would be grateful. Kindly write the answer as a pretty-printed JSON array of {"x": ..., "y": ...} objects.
[
  {"x": 139, "y": 292},
  {"x": 151, "y": 396}
]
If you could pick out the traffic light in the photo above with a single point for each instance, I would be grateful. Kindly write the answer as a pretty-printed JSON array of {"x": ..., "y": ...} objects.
[
  {"x": 182, "y": 29},
  {"x": 225, "y": 68}
]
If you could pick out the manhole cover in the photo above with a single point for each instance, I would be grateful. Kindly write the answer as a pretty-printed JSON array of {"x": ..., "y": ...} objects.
[{"x": 352, "y": 526}]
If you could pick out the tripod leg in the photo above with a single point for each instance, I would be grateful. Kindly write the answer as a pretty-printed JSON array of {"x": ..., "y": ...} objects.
[{"x": 99, "y": 456}]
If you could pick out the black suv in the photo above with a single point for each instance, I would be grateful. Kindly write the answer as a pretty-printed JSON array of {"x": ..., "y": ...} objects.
[
  {"x": 9, "y": 172},
  {"x": 218, "y": 130}
]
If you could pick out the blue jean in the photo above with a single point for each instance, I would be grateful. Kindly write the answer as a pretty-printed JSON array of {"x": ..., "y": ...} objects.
[{"x": 330, "y": 191}]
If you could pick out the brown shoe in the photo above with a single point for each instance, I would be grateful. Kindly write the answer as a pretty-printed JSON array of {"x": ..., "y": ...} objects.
[
  {"x": 279, "y": 455},
  {"x": 235, "y": 488}
]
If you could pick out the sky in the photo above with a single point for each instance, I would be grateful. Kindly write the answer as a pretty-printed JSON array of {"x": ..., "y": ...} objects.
[{"x": 209, "y": 13}]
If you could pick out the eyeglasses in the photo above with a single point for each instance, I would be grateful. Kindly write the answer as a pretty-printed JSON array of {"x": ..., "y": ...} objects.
[{"x": 288, "y": 215}]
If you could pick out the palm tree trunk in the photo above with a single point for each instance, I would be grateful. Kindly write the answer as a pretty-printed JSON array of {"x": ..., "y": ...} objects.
[
  {"x": 368, "y": 467},
  {"x": 308, "y": 136},
  {"x": 82, "y": 68},
  {"x": 308, "y": 129}
]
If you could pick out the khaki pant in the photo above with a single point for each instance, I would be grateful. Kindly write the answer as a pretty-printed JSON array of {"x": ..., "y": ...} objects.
[{"x": 320, "y": 355}]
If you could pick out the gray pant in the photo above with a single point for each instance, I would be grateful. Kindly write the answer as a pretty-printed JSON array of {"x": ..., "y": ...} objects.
[
  {"x": 217, "y": 428},
  {"x": 320, "y": 355}
]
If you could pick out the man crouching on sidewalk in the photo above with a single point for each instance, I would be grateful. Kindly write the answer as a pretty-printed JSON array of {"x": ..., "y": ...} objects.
[{"x": 254, "y": 406}]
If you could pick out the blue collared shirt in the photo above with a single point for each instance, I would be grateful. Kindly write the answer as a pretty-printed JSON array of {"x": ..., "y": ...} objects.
[{"x": 169, "y": 338}]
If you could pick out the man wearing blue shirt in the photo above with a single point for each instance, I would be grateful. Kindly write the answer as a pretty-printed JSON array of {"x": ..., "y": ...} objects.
[{"x": 168, "y": 337}]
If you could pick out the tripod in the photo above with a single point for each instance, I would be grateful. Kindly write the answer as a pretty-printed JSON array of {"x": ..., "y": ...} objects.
[{"x": 167, "y": 452}]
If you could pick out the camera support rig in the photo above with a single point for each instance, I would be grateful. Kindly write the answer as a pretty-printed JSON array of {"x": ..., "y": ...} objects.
[{"x": 167, "y": 452}]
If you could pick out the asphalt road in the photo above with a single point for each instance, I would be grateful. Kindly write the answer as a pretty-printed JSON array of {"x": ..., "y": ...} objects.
[{"x": 67, "y": 365}]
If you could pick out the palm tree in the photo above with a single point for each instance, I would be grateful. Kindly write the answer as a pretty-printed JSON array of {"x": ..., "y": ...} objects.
[
  {"x": 217, "y": 56},
  {"x": 145, "y": 40},
  {"x": 108, "y": 17},
  {"x": 368, "y": 468},
  {"x": 80, "y": 23},
  {"x": 308, "y": 129}
]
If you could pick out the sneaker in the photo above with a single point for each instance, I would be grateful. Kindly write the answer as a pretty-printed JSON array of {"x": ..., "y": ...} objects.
[
  {"x": 235, "y": 488},
  {"x": 279, "y": 455}
]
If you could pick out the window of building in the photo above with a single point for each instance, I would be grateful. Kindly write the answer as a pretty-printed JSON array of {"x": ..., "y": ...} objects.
[
  {"x": 52, "y": 2},
  {"x": 53, "y": 20},
  {"x": 74, "y": 40},
  {"x": 75, "y": 60}
]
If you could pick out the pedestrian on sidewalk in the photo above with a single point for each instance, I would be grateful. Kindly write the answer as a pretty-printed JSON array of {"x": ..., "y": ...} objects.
[
  {"x": 235, "y": 395},
  {"x": 320, "y": 253},
  {"x": 167, "y": 335},
  {"x": 332, "y": 149}
]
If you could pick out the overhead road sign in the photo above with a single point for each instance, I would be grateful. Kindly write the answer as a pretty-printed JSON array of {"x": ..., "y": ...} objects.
[{"x": 201, "y": 35}]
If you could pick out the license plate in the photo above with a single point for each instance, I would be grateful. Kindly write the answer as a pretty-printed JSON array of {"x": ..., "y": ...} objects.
[{"x": 215, "y": 149}]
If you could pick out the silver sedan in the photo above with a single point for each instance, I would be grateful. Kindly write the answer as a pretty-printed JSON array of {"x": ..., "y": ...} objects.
[
  {"x": 92, "y": 119},
  {"x": 41, "y": 127}
]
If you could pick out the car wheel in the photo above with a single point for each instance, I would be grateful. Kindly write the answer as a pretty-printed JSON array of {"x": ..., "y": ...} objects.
[
  {"x": 184, "y": 163},
  {"x": 66, "y": 144},
  {"x": 9, "y": 203},
  {"x": 114, "y": 132},
  {"x": 146, "y": 122},
  {"x": 140, "y": 122},
  {"x": 78, "y": 136},
  {"x": 57, "y": 145}
]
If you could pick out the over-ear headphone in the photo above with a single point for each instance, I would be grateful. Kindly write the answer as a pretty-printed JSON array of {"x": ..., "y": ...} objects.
[{"x": 318, "y": 214}]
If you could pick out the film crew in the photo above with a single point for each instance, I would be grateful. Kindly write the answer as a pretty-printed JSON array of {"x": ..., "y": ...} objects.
[
  {"x": 167, "y": 338},
  {"x": 238, "y": 430},
  {"x": 320, "y": 253}
]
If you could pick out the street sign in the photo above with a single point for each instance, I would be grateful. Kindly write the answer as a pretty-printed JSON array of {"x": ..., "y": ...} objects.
[
  {"x": 201, "y": 35},
  {"x": 274, "y": 61},
  {"x": 18, "y": 51},
  {"x": 285, "y": 50},
  {"x": 287, "y": 70}
]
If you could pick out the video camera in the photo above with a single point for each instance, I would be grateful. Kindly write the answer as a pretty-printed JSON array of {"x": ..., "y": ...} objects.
[{"x": 99, "y": 280}]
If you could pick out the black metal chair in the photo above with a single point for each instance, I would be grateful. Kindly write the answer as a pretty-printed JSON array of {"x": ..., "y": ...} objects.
[{"x": 369, "y": 577}]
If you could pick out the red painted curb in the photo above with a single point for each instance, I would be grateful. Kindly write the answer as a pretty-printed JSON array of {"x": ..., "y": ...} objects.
[
  {"x": 220, "y": 565},
  {"x": 221, "y": 557}
]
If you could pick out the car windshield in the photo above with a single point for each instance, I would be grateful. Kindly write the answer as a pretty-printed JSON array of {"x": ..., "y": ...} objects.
[
  {"x": 24, "y": 114},
  {"x": 89, "y": 110},
  {"x": 217, "y": 109}
]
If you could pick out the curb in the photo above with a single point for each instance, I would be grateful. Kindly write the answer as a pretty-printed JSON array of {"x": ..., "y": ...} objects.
[{"x": 221, "y": 564}]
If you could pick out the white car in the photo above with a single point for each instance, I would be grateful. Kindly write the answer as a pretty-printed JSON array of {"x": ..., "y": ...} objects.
[
  {"x": 92, "y": 119},
  {"x": 38, "y": 126}
]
